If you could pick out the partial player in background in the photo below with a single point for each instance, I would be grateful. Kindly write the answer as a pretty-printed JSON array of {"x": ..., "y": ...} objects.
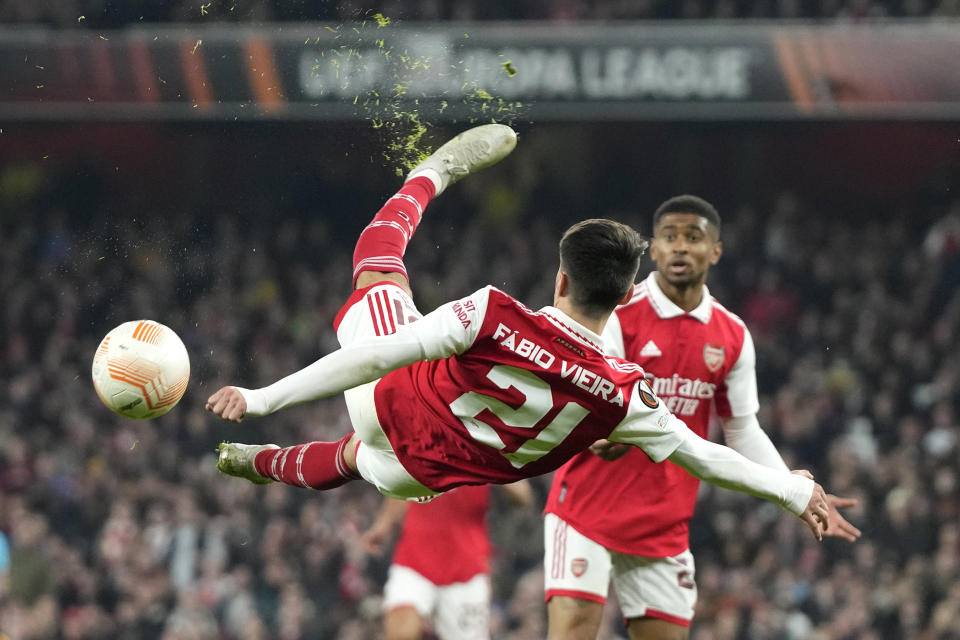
[
  {"x": 602, "y": 521},
  {"x": 483, "y": 389},
  {"x": 439, "y": 577}
]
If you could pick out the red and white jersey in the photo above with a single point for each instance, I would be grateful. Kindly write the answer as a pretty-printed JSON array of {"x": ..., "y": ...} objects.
[
  {"x": 695, "y": 362},
  {"x": 445, "y": 540},
  {"x": 506, "y": 393}
]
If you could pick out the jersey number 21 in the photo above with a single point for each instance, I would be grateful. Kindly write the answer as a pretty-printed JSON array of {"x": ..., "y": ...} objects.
[{"x": 538, "y": 403}]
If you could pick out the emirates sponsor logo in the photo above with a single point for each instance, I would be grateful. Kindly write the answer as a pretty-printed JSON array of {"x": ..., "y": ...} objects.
[
  {"x": 578, "y": 567},
  {"x": 682, "y": 396},
  {"x": 713, "y": 355},
  {"x": 684, "y": 387}
]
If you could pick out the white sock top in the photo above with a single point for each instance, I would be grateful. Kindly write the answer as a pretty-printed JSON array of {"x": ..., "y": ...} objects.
[{"x": 427, "y": 172}]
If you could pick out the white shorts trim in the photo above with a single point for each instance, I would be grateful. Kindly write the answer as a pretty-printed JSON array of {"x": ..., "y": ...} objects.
[
  {"x": 381, "y": 310},
  {"x": 576, "y": 566},
  {"x": 383, "y": 470},
  {"x": 573, "y": 565},
  {"x": 459, "y": 611},
  {"x": 376, "y": 460}
]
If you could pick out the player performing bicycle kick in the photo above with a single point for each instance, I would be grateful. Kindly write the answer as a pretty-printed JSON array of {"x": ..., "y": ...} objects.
[{"x": 483, "y": 389}]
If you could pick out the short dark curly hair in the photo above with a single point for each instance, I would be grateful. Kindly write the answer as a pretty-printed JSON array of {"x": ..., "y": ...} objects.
[
  {"x": 601, "y": 258},
  {"x": 688, "y": 204}
]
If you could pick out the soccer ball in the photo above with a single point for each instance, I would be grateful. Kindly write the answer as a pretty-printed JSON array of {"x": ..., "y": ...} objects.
[{"x": 141, "y": 369}]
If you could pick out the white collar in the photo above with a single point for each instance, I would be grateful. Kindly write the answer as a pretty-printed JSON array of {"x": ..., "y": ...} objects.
[
  {"x": 573, "y": 327},
  {"x": 666, "y": 308}
]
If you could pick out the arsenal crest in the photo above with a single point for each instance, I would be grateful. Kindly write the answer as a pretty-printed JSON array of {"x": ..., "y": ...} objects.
[
  {"x": 713, "y": 355},
  {"x": 578, "y": 566}
]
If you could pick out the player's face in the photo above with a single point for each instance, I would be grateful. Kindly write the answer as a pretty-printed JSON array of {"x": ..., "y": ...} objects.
[{"x": 684, "y": 247}]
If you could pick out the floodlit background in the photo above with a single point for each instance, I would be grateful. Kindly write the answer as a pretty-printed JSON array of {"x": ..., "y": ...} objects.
[{"x": 209, "y": 166}]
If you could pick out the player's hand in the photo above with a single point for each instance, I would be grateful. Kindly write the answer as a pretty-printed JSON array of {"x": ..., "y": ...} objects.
[
  {"x": 609, "y": 451},
  {"x": 839, "y": 527},
  {"x": 817, "y": 513},
  {"x": 374, "y": 540},
  {"x": 228, "y": 403}
]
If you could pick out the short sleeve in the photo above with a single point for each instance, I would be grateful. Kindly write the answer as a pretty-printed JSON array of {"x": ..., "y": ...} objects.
[{"x": 649, "y": 425}]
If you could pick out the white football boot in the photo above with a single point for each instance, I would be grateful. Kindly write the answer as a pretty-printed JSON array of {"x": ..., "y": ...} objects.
[
  {"x": 467, "y": 153},
  {"x": 237, "y": 460}
]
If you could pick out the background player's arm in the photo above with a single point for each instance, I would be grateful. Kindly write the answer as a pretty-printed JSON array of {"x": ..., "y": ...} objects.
[
  {"x": 742, "y": 433},
  {"x": 448, "y": 330},
  {"x": 745, "y": 436},
  {"x": 374, "y": 540},
  {"x": 608, "y": 450}
]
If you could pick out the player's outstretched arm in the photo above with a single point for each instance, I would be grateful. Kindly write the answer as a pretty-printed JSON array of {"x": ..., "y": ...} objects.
[
  {"x": 724, "y": 467},
  {"x": 334, "y": 373},
  {"x": 745, "y": 436},
  {"x": 445, "y": 331}
]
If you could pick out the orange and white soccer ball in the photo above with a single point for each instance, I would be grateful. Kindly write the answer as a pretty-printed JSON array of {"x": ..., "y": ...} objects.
[{"x": 141, "y": 369}]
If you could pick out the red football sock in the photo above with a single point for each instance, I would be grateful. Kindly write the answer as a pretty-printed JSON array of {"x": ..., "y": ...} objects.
[
  {"x": 382, "y": 244},
  {"x": 316, "y": 465}
]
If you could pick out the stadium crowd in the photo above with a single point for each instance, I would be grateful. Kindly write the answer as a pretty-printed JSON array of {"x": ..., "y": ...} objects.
[
  {"x": 121, "y": 529},
  {"x": 106, "y": 14}
]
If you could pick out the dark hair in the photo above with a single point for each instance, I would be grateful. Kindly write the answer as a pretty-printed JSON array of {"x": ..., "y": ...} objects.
[
  {"x": 601, "y": 258},
  {"x": 688, "y": 204}
]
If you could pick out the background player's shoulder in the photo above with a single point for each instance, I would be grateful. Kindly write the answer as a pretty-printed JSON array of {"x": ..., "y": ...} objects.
[{"x": 726, "y": 314}]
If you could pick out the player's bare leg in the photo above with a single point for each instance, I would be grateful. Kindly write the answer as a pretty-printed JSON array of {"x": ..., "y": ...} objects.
[
  {"x": 402, "y": 623},
  {"x": 378, "y": 256},
  {"x": 573, "y": 618},
  {"x": 656, "y": 629}
]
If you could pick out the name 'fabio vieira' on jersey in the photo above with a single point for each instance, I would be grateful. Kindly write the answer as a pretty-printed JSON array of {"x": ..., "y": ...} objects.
[{"x": 522, "y": 393}]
